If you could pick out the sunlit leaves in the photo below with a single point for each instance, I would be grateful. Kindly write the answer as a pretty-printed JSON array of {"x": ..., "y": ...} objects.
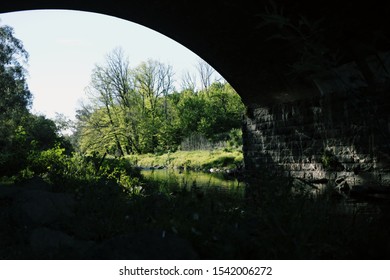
[{"x": 136, "y": 110}]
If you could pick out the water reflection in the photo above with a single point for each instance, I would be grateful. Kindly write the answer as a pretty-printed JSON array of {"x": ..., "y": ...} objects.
[{"x": 191, "y": 179}]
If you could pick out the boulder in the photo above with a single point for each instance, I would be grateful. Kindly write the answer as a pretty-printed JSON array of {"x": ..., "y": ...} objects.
[
  {"x": 37, "y": 207},
  {"x": 9, "y": 192},
  {"x": 48, "y": 243},
  {"x": 37, "y": 183},
  {"x": 143, "y": 245}
]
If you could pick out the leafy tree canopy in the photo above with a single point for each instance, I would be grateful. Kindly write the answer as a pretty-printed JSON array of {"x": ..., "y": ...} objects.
[
  {"x": 21, "y": 132},
  {"x": 137, "y": 110}
]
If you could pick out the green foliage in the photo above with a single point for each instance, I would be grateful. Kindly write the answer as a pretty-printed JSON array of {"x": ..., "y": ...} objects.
[
  {"x": 13, "y": 88},
  {"x": 135, "y": 111},
  {"x": 48, "y": 161},
  {"x": 235, "y": 138},
  {"x": 21, "y": 133},
  {"x": 32, "y": 135},
  {"x": 14, "y": 99},
  {"x": 77, "y": 171}
]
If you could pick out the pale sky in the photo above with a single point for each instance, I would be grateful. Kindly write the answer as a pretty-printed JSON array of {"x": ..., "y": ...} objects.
[{"x": 64, "y": 47}]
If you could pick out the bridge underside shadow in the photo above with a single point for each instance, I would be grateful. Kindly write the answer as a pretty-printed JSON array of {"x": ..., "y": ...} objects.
[{"x": 314, "y": 75}]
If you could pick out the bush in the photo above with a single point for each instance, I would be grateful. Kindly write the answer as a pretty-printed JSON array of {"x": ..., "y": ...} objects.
[
  {"x": 235, "y": 138},
  {"x": 77, "y": 170}
]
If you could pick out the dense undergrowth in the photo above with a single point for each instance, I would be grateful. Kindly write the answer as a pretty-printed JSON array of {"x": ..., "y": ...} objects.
[
  {"x": 76, "y": 171},
  {"x": 267, "y": 222}
]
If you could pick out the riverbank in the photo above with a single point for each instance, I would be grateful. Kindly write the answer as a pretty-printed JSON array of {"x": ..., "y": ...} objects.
[
  {"x": 39, "y": 220},
  {"x": 208, "y": 161}
]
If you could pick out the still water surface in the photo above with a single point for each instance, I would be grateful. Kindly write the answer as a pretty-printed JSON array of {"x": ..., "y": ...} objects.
[
  {"x": 172, "y": 179},
  {"x": 190, "y": 179}
]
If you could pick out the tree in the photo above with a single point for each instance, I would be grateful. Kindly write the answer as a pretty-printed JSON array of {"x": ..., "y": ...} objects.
[
  {"x": 115, "y": 110},
  {"x": 188, "y": 81},
  {"x": 206, "y": 73},
  {"x": 41, "y": 132},
  {"x": 153, "y": 81},
  {"x": 13, "y": 86},
  {"x": 128, "y": 105},
  {"x": 212, "y": 113},
  {"x": 223, "y": 111},
  {"x": 191, "y": 110},
  {"x": 14, "y": 101},
  {"x": 135, "y": 110}
]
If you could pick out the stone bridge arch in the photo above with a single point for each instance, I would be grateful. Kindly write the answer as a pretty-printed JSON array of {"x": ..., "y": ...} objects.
[
  {"x": 242, "y": 40},
  {"x": 313, "y": 74}
]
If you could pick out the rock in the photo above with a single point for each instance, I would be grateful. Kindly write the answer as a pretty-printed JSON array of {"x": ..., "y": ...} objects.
[
  {"x": 144, "y": 245},
  {"x": 36, "y": 207},
  {"x": 48, "y": 243},
  {"x": 9, "y": 192},
  {"x": 37, "y": 183},
  {"x": 44, "y": 240}
]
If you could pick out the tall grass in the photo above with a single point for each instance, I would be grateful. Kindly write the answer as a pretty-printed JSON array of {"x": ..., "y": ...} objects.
[{"x": 191, "y": 160}]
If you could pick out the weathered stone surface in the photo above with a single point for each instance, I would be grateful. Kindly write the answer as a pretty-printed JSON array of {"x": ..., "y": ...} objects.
[{"x": 324, "y": 138}]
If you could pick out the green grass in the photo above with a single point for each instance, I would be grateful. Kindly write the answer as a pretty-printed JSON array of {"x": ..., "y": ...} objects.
[{"x": 192, "y": 160}]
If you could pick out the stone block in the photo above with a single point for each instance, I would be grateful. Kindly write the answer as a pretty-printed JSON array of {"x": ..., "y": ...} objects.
[{"x": 296, "y": 134}]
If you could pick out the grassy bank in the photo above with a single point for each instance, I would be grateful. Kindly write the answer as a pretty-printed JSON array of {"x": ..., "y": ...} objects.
[{"x": 192, "y": 160}]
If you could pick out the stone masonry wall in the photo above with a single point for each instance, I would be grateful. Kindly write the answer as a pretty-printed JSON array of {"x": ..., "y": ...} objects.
[{"x": 338, "y": 135}]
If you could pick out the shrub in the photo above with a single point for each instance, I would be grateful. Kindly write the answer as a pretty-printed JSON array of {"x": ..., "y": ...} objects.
[
  {"x": 235, "y": 138},
  {"x": 77, "y": 170}
]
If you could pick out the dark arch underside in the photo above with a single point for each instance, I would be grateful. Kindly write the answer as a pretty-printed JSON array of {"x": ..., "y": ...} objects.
[{"x": 231, "y": 35}]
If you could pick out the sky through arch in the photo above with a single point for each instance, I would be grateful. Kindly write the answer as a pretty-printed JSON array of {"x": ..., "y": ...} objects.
[{"x": 64, "y": 46}]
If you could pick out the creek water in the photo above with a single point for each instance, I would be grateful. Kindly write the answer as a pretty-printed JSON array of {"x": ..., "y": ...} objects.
[
  {"x": 173, "y": 179},
  {"x": 190, "y": 179}
]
